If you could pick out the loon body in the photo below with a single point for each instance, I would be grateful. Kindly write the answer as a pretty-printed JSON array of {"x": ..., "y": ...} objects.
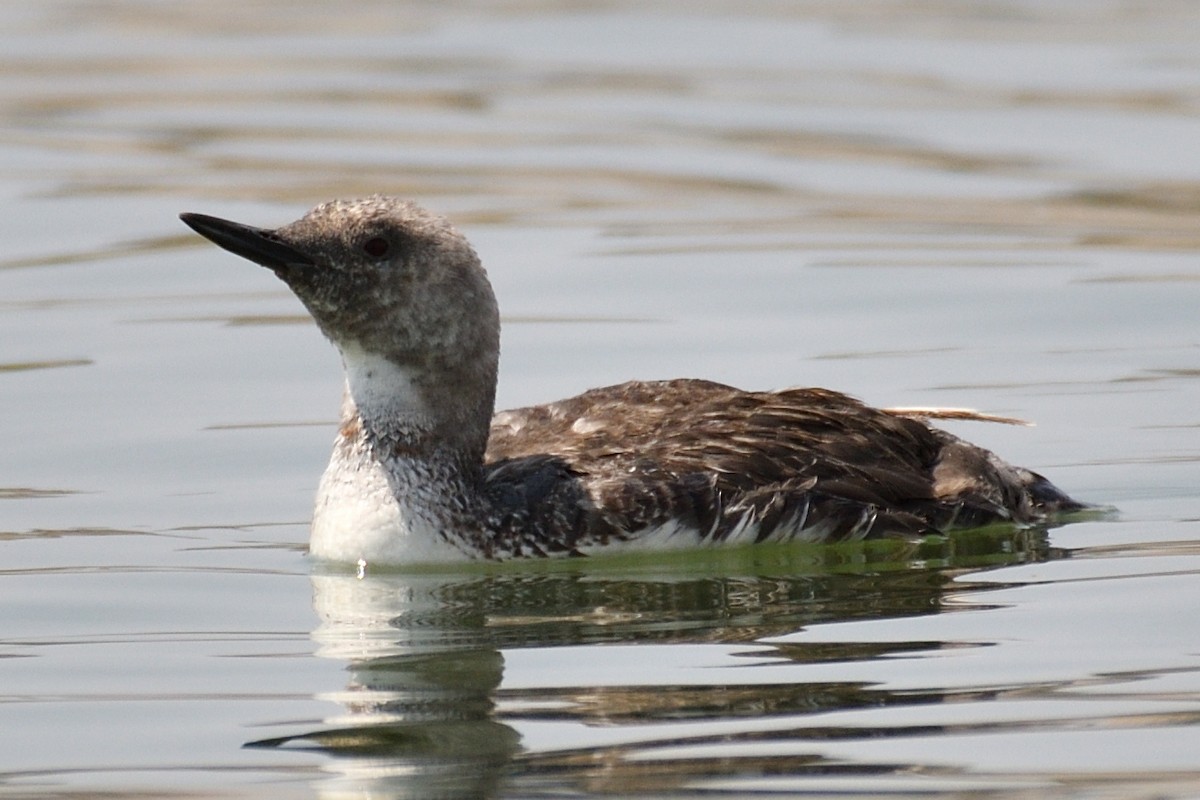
[{"x": 423, "y": 472}]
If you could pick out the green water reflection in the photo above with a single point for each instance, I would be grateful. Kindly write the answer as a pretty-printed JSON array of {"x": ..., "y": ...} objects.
[{"x": 429, "y": 708}]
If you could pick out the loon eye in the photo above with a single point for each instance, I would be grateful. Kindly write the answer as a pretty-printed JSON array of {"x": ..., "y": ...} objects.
[{"x": 376, "y": 247}]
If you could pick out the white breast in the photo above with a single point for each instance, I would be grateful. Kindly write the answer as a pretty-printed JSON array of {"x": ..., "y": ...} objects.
[{"x": 357, "y": 519}]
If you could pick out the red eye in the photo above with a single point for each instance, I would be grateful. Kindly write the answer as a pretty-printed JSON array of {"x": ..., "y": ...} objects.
[{"x": 376, "y": 247}]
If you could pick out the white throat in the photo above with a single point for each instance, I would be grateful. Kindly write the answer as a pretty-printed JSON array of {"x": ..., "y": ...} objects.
[{"x": 383, "y": 391}]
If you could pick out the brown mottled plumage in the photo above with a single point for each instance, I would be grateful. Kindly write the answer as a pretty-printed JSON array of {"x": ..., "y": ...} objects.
[
  {"x": 418, "y": 474},
  {"x": 715, "y": 456}
]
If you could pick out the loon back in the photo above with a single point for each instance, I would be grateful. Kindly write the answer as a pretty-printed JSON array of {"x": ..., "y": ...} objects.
[{"x": 699, "y": 462}]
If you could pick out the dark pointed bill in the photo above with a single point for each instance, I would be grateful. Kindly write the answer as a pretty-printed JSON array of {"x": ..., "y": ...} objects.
[{"x": 259, "y": 245}]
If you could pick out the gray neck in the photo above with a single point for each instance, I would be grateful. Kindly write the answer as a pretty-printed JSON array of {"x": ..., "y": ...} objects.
[
  {"x": 389, "y": 496},
  {"x": 406, "y": 419}
]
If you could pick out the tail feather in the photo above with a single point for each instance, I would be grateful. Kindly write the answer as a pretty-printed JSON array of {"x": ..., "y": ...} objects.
[{"x": 1048, "y": 498}]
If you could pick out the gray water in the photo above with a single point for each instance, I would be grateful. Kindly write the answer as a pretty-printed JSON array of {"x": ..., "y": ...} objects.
[{"x": 982, "y": 204}]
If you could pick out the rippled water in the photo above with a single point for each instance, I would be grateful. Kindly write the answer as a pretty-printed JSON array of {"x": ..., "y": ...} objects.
[{"x": 970, "y": 204}]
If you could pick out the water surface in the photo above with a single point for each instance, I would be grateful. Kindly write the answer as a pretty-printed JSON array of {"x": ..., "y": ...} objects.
[{"x": 990, "y": 205}]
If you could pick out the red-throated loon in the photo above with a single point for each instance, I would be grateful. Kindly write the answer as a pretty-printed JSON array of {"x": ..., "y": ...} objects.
[{"x": 423, "y": 472}]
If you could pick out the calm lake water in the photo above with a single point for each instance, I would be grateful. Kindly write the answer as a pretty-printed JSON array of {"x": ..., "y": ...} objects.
[{"x": 983, "y": 204}]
